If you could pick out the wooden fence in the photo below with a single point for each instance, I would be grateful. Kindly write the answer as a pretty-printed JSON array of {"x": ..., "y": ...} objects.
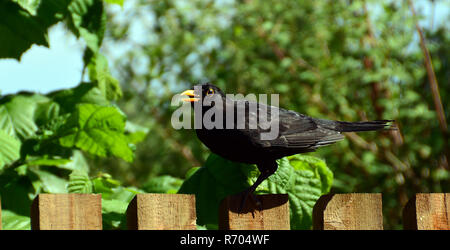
[{"x": 354, "y": 211}]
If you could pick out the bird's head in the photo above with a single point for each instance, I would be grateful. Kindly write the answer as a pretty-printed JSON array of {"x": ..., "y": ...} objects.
[{"x": 200, "y": 92}]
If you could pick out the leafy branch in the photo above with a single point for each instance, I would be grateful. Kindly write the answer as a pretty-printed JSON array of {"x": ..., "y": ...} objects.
[{"x": 42, "y": 135}]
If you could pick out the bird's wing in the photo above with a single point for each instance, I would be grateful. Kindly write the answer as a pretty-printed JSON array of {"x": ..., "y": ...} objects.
[{"x": 295, "y": 130}]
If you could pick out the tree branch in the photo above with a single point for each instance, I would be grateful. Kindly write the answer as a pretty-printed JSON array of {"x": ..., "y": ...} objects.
[{"x": 433, "y": 85}]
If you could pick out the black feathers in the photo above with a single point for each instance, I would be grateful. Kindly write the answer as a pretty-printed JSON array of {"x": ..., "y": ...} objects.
[
  {"x": 296, "y": 133},
  {"x": 363, "y": 126}
]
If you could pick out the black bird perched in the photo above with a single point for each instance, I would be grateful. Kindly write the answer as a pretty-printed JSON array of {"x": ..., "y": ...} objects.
[{"x": 297, "y": 133}]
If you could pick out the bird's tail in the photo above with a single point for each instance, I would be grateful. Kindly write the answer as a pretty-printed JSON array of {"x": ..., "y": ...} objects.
[{"x": 365, "y": 126}]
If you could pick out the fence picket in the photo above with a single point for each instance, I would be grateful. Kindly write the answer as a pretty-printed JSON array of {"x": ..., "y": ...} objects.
[
  {"x": 274, "y": 213},
  {"x": 66, "y": 212},
  {"x": 162, "y": 211},
  {"x": 427, "y": 212},
  {"x": 355, "y": 211}
]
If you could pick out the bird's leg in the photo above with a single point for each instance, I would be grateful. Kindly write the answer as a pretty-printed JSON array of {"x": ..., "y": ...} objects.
[
  {"x": 249, "y": 191},
  {"x": 266, "y": 169}
]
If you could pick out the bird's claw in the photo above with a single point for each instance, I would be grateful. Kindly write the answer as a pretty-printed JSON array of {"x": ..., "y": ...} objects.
[{"x": 244, "y": 196}]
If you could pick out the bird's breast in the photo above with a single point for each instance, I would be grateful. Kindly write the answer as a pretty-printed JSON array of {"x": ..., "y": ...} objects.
[{"x": 229, "y": 144}]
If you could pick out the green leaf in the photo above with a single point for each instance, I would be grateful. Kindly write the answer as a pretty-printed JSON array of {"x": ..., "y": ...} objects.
[
  {"x": 191, "y": 171},
  {"x": 79, "y": 182},
  {"x": 114, "y": 214},
  {"x": 119, "y": 2},
  {"x": 105, "y": 185},
  {"x": 114, "y": 207},
  {"x": 13, "y": 221},
  {"x": 304, "y": 179},
  {"x": 115, "y": 200},
  {"x": 99, "y": 73},
  {"x": 10, "y": 149},
  {"x": 125, "y": 193},
  {"x": 16, "y": 191},
  {"x": 83, "y": 93},
  {"x": 97, "y": 130},
  {"x": 315, "y": 165},
  {"x": 77, "y": 163},
  {"x": 46, "y": 151},
  {"x": 111, "y": 189},
  {"x": 16, "y": 116},
  {"x": 211, "y": 183},
  {"x": 88, "y": 20},
  {"x": 19, "y": 30},
  {"x": 47, "y": 161},
  {"x": 200, "y": 227},
  {"x": 25, "y": 23},
  {"x": 136, "y": 137},
  {"x": 46, "y": 112},
  {"x": 163, "y": 184},
  {"x": 30, "y": 5},
  {"x": 50, "y": 182}
]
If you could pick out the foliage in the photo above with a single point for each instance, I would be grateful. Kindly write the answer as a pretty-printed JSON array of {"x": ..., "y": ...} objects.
[
  {"x": 345, "y": 60},
  {"x": 303, "y": 178},
  {"x": 42, "y": 135}
]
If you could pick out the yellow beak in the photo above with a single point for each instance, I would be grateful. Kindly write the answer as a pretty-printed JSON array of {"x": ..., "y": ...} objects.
[{"x": 192, "y": 97}]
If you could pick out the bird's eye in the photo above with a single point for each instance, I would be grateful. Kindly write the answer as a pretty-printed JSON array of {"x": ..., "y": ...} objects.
[{"x": 210, "y": 92}]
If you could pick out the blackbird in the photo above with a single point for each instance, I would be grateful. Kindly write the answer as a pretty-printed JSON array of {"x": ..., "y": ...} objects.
[{"x": 297, "y": 133}]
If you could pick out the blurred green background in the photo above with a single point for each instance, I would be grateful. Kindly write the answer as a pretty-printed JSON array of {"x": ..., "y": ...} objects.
[{"x": 344, "y": 60}]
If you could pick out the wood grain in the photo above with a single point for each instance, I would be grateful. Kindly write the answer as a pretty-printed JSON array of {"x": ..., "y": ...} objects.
[
  {"x": 162, "y": 212},
  {"x": 66, "y": 212},
  {"x": 273, "y": 214},
  {"x": 427, "y": 212},
  {"x": 355, "y": 211}
]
